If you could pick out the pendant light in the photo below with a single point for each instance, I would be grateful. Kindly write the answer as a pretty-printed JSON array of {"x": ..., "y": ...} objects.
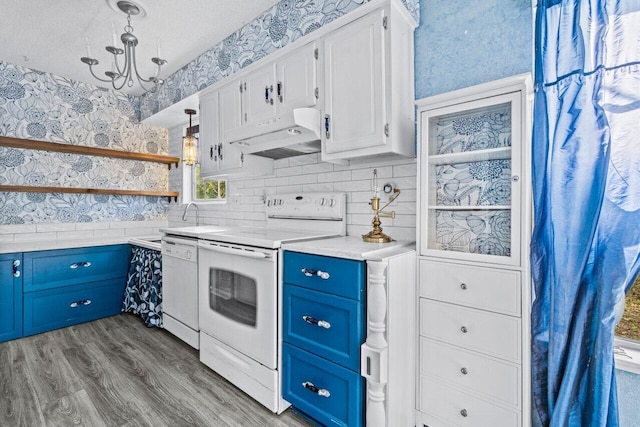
[{"x": 189, "y": 143}]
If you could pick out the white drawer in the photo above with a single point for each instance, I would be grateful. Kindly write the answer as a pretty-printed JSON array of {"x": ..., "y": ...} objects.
[
  {"x": 491, "y": 377},
  {"x": 489, "y": 333},
  {"x": 485, "y": 288},
  {"x": 446, "y": 406}
]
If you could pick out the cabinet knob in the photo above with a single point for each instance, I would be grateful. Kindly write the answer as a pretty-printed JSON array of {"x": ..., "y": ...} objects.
[
  {"x": 464, "y": 371},
  {"x": 463, "y": 286},
  {"x": 464, "y": 330},
  {"x": 464, "y": 412},
  {"x": 516, "y": 178}
]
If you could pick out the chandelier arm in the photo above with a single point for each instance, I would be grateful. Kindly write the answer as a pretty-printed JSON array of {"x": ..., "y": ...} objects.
[
  {"x": 135, "y": 68},
  {"x": 94, "y": 75},
  {"x": 118, "y": 69}
]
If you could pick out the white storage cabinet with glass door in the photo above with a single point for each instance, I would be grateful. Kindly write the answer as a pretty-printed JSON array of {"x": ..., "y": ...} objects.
[{"x": 473, "y": 238}]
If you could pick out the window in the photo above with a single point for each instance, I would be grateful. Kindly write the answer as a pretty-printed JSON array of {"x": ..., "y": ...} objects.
[
  {"x": 207, "y": 190},
  {"x": 197, "y": 189},
  {"x": 627, "y": 342}
]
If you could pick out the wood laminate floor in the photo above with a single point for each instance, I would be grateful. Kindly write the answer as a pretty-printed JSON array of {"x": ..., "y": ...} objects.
[{"x": 118, "y": 372}]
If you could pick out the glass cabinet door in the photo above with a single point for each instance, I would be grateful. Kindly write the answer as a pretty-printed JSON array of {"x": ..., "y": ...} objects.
[{"x": 470, "y": 180}]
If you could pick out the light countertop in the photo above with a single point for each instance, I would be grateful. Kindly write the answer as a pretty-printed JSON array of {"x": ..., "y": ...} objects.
[
  {"x": 350, "y": 247},
  {"x": 44, "y": 245}
]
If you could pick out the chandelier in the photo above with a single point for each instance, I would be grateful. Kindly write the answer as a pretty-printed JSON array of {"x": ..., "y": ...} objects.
[{"x": 118, "y": 76}]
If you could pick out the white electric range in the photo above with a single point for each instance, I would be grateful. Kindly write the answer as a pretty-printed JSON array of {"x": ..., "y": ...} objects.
[{"x": 239, "y": 274}]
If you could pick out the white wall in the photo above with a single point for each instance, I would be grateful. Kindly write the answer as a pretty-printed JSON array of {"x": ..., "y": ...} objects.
[{"x": 305, "y": 174}]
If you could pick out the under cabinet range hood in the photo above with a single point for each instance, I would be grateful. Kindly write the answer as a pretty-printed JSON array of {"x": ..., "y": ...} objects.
[{"x": 282, "y": 136}]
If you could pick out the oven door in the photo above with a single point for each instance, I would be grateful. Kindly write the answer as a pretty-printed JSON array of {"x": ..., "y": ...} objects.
[{"x": 238, "y": 298}]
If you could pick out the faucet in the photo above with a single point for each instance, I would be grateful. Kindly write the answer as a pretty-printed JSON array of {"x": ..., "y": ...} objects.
[{"x": 186, "y": 209}]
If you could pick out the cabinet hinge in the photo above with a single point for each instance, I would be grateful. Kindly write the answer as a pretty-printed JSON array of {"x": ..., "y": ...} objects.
[
  {"x": 317, "y": 93},
  {"x": 245, "y": 117},
  {"x": 241, "y": 87},
  {"x": 385, "y": 21},
  {"x": 315, "y": 53},
  {"x": 386, "y": 129}
]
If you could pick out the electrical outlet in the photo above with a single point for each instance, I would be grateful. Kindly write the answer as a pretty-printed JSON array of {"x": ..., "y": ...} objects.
[{"x": 235, "y": 199}]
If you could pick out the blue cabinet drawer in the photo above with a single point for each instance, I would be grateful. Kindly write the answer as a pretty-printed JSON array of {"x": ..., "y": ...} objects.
[
  {"x": 55, "y": 308},
  {"x": 337, "y": 276},
  {"x": 325, "y": 391},
  {"x": 327, "y": 325},
  {"x": 51, "y": 269}
]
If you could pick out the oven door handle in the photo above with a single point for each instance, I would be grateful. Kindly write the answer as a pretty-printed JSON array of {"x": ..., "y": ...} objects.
[{"x": 232, "y": 251}]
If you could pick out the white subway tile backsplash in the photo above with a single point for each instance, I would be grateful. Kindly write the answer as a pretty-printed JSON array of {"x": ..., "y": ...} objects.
[
  {"x": 334, "y": 176},
  {"x": 317, "y": 168},
  {"x": 276, "y": 182},
  {"x": 367, "y": 173},
  {"x": 80, "y": 226},
  {"x": 405, "y": 170},
  {"x": 31, "y": 237},
  {"x": 288, "y": 171},
  {"x": 69, "y": 235},
  {"x": 17, "y": 228},
  {"x": 304, "y": 160},
  {"x": 109, "y": 232},
  {"x": 48, "y": 227},
  {"x": 321, "y": 187}
]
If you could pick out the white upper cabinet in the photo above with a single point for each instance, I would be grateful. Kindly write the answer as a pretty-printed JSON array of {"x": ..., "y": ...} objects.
[
  {"x": 257, "y": 95},
  {"x": 368, "y": 87},
  {"x": 269, "y": 93},
  {"x": 209, "y": 137},
  {"x": 220, "y": 109},
  {"x": 296, "y": 84}
]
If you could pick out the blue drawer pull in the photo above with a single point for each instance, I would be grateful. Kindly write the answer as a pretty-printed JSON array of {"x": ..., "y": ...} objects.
[
  {"x": 80, "y": 264},
  {"x": 319, "y": 391},
  {"x": 314, "y": 321},
  {"x": 321, "y": 274},
  {"x": 16, "y": 271},
  {"x": 79, "y": 303}
]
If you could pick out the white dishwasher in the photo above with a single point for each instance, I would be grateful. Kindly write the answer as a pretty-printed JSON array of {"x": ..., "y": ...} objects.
[{"x": 180, "y": 288}]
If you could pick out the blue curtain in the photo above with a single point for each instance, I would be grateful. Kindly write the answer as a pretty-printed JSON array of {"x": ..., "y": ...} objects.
[
  {"x": 586, "y": 184},
  {"x": 143, "y": 293}
]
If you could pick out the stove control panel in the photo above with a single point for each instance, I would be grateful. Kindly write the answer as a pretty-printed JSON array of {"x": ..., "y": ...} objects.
[{"x": 307, "y": 205}]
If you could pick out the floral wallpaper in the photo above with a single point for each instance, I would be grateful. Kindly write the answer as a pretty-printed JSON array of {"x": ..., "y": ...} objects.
[
  {"x": 42, "y": 106},
  {"x": 282, "y": 24}
]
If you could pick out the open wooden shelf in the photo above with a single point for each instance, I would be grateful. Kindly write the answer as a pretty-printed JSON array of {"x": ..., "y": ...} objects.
[
  {"x": 32, "y": 144},
  {"x": 31, "y": 189}
]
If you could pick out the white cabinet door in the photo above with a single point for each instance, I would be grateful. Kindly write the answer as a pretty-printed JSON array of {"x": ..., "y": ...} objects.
[
  {"x": 230, "y": 108},
  {"x": 258, "y": 102},
  {"x": 296, "y": 79},
  {"x": 209, "y": 134},
  {"x": 355, "y": 85}
]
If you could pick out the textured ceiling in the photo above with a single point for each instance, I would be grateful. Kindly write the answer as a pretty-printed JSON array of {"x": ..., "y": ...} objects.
[{"x": 51, "y": 36}]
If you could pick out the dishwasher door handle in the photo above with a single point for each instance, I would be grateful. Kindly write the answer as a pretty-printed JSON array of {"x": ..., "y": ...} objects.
[{"x": 234, "y": 251}]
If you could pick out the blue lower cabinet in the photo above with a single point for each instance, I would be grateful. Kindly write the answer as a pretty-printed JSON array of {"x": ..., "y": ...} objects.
[
  {"x": 328, "y": 393},
  {"x": 10, "y": 296},
  {"x": 64, "y": 306},
  {"x": 326, "y": 325}
]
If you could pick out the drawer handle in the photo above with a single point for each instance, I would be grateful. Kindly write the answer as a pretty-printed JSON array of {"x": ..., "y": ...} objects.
[
  {"x": 463, "y": 286},
  {"x": 464, "y": 371},
  {"x": 314, "y": 321},
  {"x": 80, "y": 264},
  {"x": 79, "y": 303},
  {"x": 321, "y": 274},
  {"x": 464, "y": 413},
  {"x": 16, "y": 270},
  {"x": 464, "y": 330},
  {"x": 319, "y": 391}
]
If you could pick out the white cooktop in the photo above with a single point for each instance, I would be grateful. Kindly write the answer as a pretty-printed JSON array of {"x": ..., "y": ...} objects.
[
  {"x": 291, "y": 217},
  {"x": 271, "y": 238}
]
